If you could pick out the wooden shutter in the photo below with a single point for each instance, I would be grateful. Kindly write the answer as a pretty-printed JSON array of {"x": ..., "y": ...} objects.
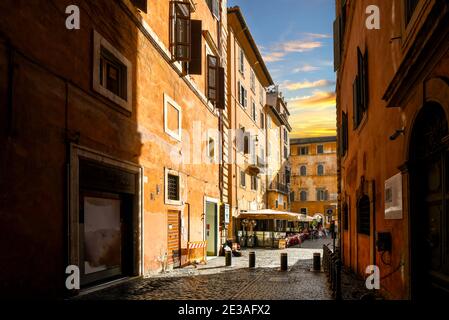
[
  {"x": 196, "y": 61},
  {"x": 221, "y": 101},
  {"x": 337, "y": 43},
  {"x": 361, "y": 90},
  {"x": 355, "y": 109},
  {"x": 212, "y": 77},
  {"x": 180, "y": 31},
  {"x": 365, "y": 81},
  {"x": 141, "y": 5}
]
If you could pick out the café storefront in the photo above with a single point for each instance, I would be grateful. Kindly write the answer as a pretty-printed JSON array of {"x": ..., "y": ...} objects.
[{"x": 266, "y": 228}]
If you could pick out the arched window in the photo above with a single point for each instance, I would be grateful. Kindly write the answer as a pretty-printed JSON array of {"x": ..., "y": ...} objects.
[
  {"x": 364, "y": 215},
  {"x": 320, "y": 170},
  {"x": 303, "y": 171},
  {"x": 303, "y": 195}
]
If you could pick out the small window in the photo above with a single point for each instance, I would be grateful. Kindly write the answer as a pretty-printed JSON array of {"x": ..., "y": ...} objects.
[
  {"x": 303, "y": 211},
  {"x": 285, "y": 152},
  {"x": 241, "y": 61},
  {"x": 180, "y": 33},
  {"x": 320, "y": 170},
  {"x": 242, "y": 179},
  {"x": 344, "y": 138},
  {"x": 253, "y": 81},
  {"x": 243, "y": 94},
  {"x": 172, "y": 187},
  {"x": 246, "y": 144},
  {"x": 172, "y": 118},
  {"x": 360, "y": 89},
  {"x": 214, "y": 8},
  {"x": 212, "y": 76},
  {"x": 303, "y": 151},
  {"x": 303, "y": 195},
  {"x": 112, "y": 73},
  {"x": 277, "y": 204},
  {"x": 254, "y": 110},
  {"x": 285, "y": 136},
  {"x": 211, "y": 148},
  {"x": 261, "y": 94},
  {"x": 364, "y": 215},
  {"x": 254, "y": 183},
  {"x": 292, "y": 196},
  {"x": 320, "y": 149},
  {"x": 303, "y": 171},
  {"x": 321, "y": 195},
  {"x": 262, "y": 120}
]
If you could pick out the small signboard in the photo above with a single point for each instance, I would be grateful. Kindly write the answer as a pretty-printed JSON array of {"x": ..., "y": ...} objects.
[
  {"x": 226, "y": 213},
  {"x": 393, "y": 197}
]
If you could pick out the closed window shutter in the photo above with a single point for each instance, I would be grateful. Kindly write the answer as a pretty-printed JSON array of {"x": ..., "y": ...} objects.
[
  {"x": 196, "y": 61},
  {"x": 140, "y": 4},
  {"x": 361, "y": 91},
  {"x": 221, "y": 101},
  {"x": 365, "y": 81},
  {"x": 355, "y": 113},
  {"x": 337, "y": 43}
]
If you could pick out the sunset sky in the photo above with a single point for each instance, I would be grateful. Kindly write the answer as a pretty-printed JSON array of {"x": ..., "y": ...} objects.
[{"x": 295, "y": 39}]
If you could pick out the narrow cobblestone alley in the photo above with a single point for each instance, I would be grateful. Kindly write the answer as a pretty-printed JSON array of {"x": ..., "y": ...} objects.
[{"x": 214, "y": 281}]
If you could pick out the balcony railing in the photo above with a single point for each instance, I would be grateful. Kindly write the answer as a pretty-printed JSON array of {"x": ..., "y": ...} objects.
[{"x": 284, "y": 188}]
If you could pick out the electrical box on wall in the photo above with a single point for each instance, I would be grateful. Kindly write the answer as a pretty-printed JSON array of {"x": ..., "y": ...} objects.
[{"x": 384, "y": 242}]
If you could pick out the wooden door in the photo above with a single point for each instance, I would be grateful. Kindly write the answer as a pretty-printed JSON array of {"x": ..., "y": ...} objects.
[{"x": 174, "y": 238}]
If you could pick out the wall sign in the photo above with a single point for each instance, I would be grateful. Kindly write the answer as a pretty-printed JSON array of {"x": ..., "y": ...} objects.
[
  {"x": 226, "y": 213},
  {"x": 393, "y": 197}
]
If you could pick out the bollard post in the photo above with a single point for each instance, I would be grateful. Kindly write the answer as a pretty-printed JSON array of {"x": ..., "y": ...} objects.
[
  {"x": 228, "y": 258},
  {"x": 317, "y": 262},
  {"x": 284, "y": 262},
  {"x": 252, "y": 259}
]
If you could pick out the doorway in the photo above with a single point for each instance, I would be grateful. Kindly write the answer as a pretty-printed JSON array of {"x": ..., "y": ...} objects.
[
  {"x": 211, "y": 228},
  {"x": 174, "y": 238},
  {"x": 429, "y": 195}
]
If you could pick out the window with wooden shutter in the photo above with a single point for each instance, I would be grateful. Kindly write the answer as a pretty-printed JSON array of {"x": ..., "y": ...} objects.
[
  {"x": 180, "y": 31},
  {"x": 303, "y": 171},
  {"x": 344, "y": 134},
  {"x": 303, "y": 196},
  {"x": 214, "y": 7},
  {"x": 221, "y": 101},
  {"x": 196, "y": 58},
  {"x": 360, "y": 88},
  {"x": 337, "y": 43},
  {"x": 142, "y": 5},
  {"x": 320, "y": 170},
  {"x": 364, "y": 215},
  {"x": 212, "y": 77}
]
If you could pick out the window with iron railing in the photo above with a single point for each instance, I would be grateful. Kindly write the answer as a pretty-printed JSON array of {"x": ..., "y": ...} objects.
[{"x": 173, "y": 187}]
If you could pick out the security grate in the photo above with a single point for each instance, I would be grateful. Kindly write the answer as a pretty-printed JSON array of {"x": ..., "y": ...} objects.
[{"x": 173, "y": 187}]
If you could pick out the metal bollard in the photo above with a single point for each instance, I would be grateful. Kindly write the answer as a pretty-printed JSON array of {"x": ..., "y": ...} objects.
[
  {"x": 228, "y": 258},
  {"x": 252, "y": 259},
  {"x": 284, "y": 262},
  {"x": 317, "y": 262}
]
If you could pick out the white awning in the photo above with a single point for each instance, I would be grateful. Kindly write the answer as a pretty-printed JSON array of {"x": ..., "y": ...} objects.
[{"x": 268, "y": 214}]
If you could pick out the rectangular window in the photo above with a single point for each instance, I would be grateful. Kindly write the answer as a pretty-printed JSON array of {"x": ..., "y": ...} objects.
[
  {"x": 303, "y": 195},
  {"x": 285, "y": 136},
  {"x": 112, "y": 73},
  {"x": 321, "y": 195},
  {"x": 242, "y": 179},
  {"x": 253, "y": 81},
  {"x": 360, "y": 89},
  {"x": 254, "y": 183},
  {"x": 214, "y": 8},
  {"x": 212, "y": 77},
  {"x": 303, "y": 211},
  {"x": 303, "y": 151},
  {"x": 180, "y": 33},
  {"x": 172, "y": 118},
  {"x": 172, "y": 187},
  {"x": 243, "y": 94},
  {"x": 254, "y": 110},
  {"x": 285, "y": 152},
  {"x": 241, "y": 61},
  {"x": 344, "y": 142},
  {"x": 262, "y": 120},
  {"x": 320, "y": 149},
  {"x": 261, "y": 94}
]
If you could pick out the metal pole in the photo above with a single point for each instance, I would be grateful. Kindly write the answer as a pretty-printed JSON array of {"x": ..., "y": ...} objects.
[
  {"x": 228, "y": 258},
  {"x": 252, "y": 259},
  {"x": 284, "y": 261}
]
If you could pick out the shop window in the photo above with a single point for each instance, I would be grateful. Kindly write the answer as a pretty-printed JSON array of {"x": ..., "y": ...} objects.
[
  {"x": 112, "y": 73},
  {"x": 180, "y": 31},
  {"x": 172, "y": 118},
  {"x": 364, "y": 215}
]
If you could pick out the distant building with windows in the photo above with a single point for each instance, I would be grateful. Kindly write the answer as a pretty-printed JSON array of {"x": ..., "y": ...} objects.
[{"x": 313, "y": 163}]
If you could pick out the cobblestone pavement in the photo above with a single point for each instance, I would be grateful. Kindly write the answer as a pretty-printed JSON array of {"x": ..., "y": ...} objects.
[{"x": 214, "y": 281}]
